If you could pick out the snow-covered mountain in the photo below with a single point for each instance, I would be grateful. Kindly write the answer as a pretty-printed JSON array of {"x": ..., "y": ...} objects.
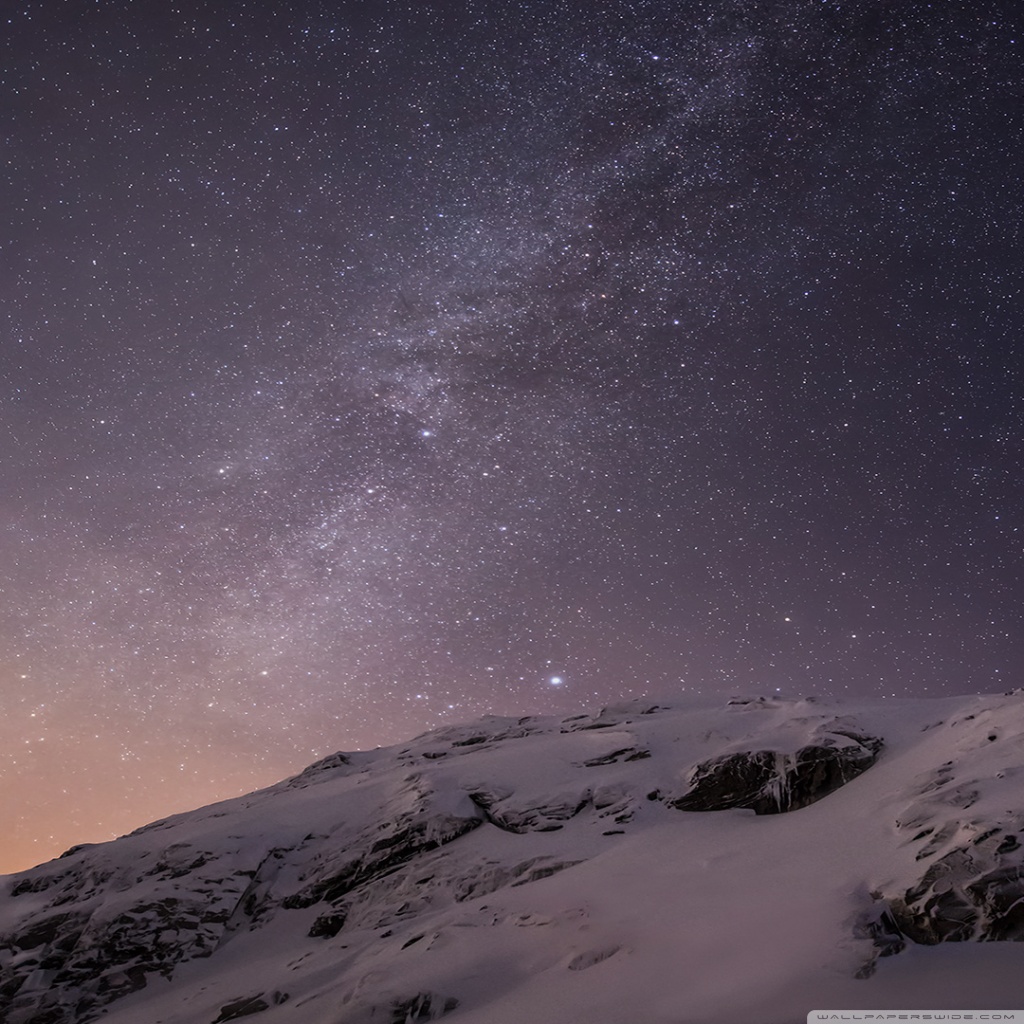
[{"x": 684, "y": 864}]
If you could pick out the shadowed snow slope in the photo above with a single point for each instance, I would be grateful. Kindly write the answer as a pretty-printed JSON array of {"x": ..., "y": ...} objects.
[{"x": 557, "y": 871}]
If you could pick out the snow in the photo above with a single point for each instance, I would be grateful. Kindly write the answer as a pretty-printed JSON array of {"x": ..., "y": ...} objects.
[{"x": 544, "y": 883}]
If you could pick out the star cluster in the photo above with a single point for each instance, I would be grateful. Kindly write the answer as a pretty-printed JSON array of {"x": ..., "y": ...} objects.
[{"x": 367, "y": 367}]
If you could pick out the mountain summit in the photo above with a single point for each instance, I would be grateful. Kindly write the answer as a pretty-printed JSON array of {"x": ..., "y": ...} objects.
[{"x": 671, "y": 864}]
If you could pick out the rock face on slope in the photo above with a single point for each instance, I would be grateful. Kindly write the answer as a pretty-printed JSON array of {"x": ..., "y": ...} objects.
[
  {"x": 181, "y": 902},
  {"x": 973, "y": 892},
  {"x": 360, "y": 885},
  {"x": 774, "y": 781},
  {"x": 966, "y": 879},
  {"x": 99, "y": 930}
]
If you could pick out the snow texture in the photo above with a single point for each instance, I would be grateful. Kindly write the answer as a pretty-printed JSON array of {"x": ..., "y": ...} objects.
[{"x": 556, "y": 871}]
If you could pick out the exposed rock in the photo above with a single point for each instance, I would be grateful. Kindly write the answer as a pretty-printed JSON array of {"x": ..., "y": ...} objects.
[
  {"x": 613, "y": 757},
  {"x": 583, "y": 961},
  {"x": 973, "y": 892},
  {"x": 878, "y": 924},
  {"x": 326, "y": 926},
  {"x": 65, "y": 927},
  {"x": 407, "y": 840},
  {"x": 546, "y": 871},
  {"x": 242, "y": 1008},
  {"x": 965, "y": 872},
  {"x": 470, "y": 741},
  {"x": 511, "y": 814},
  {"x": 423, "y": 1006},
  {"x": 108, "y": 947},
  {"x": 770, "y": 782},
  {"x": 320, "y": 770}
]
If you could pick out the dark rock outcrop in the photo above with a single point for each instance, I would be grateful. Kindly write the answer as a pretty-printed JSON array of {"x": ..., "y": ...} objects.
[
  {"x": 769, "y": 782},
  {"x": 422, "y": 1007},
  {"x": 406, "y": 841},
  {"x": 971, "y": 891},
  {"x": 241, "y": 1008},
  {"x": 974, "y": 892},
  {"x": 110, "y": 944}
]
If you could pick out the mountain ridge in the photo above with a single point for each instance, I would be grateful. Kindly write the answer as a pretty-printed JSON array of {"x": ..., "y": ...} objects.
[{"x": 683, "y": 862}]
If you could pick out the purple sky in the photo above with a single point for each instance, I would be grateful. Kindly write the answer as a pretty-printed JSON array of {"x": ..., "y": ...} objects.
[{"x": 368, "y": 367}]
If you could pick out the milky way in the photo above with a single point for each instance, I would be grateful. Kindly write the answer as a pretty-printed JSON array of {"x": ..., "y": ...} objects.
[{"x": 368, "y": 367}]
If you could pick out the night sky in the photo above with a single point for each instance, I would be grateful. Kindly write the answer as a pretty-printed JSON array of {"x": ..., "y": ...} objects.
[{"x": 371, "y": 366}]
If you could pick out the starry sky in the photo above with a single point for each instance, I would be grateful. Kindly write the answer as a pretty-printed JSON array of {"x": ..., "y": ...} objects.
[{"x": 374, "y": 365}]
